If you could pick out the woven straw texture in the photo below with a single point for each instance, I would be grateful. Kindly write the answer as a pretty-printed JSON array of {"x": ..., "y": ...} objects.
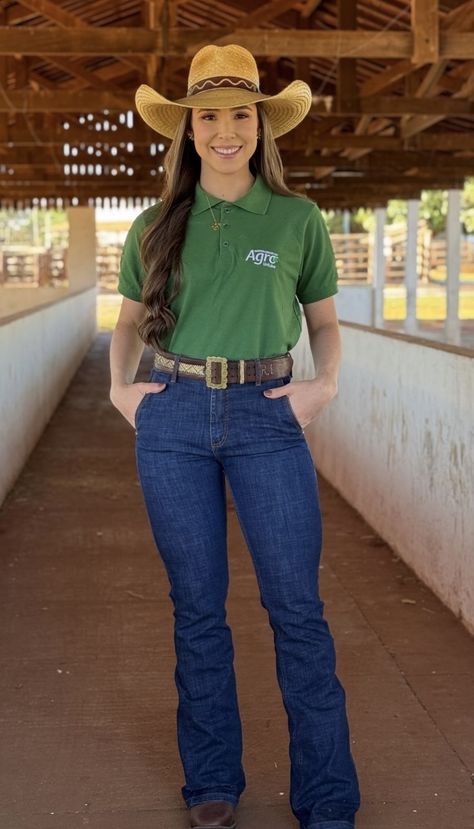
[
  {"x": 220, "y": 69},
  {"x": 212, "y": 61}
]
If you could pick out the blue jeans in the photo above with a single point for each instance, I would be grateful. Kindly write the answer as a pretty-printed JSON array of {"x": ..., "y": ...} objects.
[{"x": 189, "y": 440}]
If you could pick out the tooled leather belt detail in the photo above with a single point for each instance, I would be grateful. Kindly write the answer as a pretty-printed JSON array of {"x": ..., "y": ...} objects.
[{"x": 218, "y": 372}]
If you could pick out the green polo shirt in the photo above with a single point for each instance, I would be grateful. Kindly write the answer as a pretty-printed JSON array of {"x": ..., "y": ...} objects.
[{"x": 242, "y": 285}]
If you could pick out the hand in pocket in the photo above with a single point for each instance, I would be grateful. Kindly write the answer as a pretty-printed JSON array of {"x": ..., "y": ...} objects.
[{"x": 128, "y": 397}]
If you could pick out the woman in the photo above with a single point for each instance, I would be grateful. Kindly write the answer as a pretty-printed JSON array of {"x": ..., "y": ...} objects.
[{"x": 212, "y": 277}]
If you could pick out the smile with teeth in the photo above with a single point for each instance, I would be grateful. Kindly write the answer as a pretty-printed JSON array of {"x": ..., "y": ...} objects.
[{"x": 227, "y": 151}]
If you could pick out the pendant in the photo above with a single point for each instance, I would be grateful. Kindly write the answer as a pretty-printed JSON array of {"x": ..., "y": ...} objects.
[{"x": 216, "y": 225}]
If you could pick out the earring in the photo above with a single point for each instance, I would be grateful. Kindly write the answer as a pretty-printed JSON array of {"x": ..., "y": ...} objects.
[
  {"x": 259, "y": 134},
  {"x": 191, "y": 136}
]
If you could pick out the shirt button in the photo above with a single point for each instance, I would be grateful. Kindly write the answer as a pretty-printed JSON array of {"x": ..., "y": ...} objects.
[
  {"x": 227, "y": 210},
  {"x": 226, "y": 224},
  {"x": 226, "y": 244}
]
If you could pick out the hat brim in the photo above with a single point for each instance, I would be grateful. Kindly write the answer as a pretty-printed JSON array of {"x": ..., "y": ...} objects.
[{"x": 284, "y": 110}]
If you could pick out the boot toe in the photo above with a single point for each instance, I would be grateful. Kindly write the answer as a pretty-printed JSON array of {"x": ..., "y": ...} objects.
[{"x": 213, "y": 814}]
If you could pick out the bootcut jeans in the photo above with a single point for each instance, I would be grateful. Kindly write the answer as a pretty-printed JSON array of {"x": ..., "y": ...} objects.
[{"x": 190, "y": 439}]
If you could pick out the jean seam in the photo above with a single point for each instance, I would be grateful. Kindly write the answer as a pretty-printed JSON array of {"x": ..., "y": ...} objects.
[
  {"x": 203, "y": 798},
  {"x": 331, "y": 824}
]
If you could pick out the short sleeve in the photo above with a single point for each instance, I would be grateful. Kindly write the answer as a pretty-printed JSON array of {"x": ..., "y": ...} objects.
[
  {"x": 318, "y": 273},
  {"x": 131, "y": 271}
]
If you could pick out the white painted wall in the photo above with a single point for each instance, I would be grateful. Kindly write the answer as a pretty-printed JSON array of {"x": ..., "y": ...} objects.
[
  {"x": 81, "y": 254},
  {"x": 15, "y": 298},
  {"x": 398, "y": 443},
  {"x": 40, "y": 350},
  {"x": 354, "y": 303}
]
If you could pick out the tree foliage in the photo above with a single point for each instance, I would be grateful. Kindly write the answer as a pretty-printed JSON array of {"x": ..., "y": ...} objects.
[{"x": 433, "y": 208}]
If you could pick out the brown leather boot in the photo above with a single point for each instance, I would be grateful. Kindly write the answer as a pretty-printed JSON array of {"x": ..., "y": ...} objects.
[{"x": 213, "y": 814}]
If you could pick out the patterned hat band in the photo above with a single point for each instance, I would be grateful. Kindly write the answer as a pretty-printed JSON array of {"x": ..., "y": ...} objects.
[
  {"x": 222, "y": 81},
  {"x": 222, "y": 77}
]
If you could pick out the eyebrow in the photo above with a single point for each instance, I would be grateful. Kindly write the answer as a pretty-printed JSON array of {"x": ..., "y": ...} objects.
[{"x": 209, "y": 109}]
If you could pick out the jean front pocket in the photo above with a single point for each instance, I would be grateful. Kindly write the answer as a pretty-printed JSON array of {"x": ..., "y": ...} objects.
[
  {"x": 291, "y": 413},
  {"x": 283, "y": 408},
  {"x": 139, "y": 408}
]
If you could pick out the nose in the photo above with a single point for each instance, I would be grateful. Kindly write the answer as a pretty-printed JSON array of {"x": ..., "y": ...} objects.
[{"x": 225, "y": 125}]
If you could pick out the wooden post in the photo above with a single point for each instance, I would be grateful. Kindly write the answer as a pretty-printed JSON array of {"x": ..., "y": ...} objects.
[
  {"x": 378, "y": 282},
  {"x": 425, "y": 27},
  {"x": 453, "y": 261},
  {"x": 81, "y": 251},
  {"x": 411, "y": 270},
  {"x": 44, "y": 269},
  {"x": 346, "y": 85},
  {"x": 152, "y": 13}
]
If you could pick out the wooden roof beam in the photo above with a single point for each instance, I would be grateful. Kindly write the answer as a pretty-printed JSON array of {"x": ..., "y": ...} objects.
[
  {"x": 463, "y": 15},
  {"x": 346, "y": 67},
  {"x": 67, "y": 20},
  {"x": 308, "y": 7},
  {"x": 417, "y": 124},
  {"x": 108, "y": 40},
  {"x": 403, "y": 69},
  {"x": 425, "y": 27},
  {"x": 26, "y": 100}
]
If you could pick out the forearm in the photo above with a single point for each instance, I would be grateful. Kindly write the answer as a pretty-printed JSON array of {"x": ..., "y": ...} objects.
[
  {"x": 126, "y": 350},
  {"x": 325, "y": 343}
]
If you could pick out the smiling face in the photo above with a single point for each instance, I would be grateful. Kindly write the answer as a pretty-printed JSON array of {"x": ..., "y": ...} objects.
[{"x": 225, "y": 139}]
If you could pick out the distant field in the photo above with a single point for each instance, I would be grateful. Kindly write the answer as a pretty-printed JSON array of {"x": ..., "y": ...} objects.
[
  {"x": 439, "y": 275},
  {"x": 108, "y": 306},
  {"x": 429, "y": 307}
]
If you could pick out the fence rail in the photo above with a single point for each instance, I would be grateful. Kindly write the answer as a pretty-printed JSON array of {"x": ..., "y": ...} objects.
[
  {"x": 35, "y": 267},
  {"x": 354, "y": 254}
]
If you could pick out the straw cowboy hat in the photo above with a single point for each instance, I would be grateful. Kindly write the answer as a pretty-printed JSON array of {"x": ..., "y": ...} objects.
[{"x": 219, "y": 77}]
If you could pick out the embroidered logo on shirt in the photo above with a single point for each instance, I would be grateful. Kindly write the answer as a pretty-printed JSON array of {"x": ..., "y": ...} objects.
[{"x": 263, "y": 257}]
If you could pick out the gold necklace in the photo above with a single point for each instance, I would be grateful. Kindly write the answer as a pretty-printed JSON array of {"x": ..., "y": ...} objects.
[{"x": 215, "y": 225}]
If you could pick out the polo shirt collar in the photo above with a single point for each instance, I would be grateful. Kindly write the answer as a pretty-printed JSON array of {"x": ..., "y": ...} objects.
[{"x": 256, "y": 200}]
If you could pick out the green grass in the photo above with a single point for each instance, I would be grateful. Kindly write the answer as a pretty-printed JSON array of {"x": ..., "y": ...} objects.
[
  {"x": 106, "y": 315},
  {"x": 438, "y": 275},
  {"x": 428, "y": 307}
]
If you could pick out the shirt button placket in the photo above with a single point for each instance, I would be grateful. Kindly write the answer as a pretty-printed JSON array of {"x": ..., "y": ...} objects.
[{"x": 225, "y": 225}]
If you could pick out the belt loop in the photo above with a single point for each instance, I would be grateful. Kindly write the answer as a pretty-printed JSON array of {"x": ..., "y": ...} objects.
[
  {"x": 175, "y": 368},
  {"x": 258, "y": 372}
]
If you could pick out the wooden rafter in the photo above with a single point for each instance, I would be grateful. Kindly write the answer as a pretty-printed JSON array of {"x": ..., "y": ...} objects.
[
  {"x": 425, "y": 28},
  {"x": 37, "y": 40},
  {"x": 91, "y": 101},
  {"x": 66, "y": 21},
  {"x": 392, "y": 105}
]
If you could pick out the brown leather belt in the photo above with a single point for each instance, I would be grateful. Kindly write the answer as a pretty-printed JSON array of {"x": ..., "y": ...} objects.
[{"x": 219, "y": 372}]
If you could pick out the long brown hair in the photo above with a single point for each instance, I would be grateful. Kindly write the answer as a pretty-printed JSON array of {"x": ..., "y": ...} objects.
[{"x": 163, "y": 239}]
